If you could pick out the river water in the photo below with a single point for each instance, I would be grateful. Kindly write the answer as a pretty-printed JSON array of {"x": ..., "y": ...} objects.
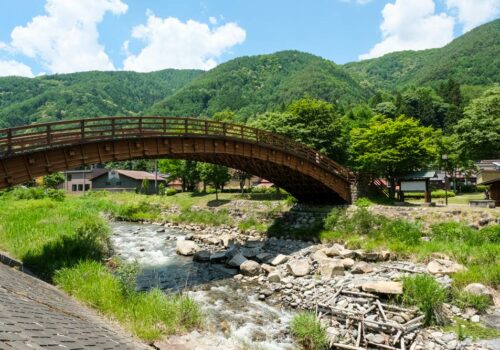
[{"x": 232, "y": 310}]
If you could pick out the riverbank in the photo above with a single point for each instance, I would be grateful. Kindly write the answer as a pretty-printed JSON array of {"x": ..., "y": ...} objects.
[{"x": 46, "y": 233}]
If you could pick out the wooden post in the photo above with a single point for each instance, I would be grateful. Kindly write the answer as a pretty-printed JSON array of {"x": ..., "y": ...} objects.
[
  {"x": 48, "y": 135},
  {"x": 113, "y": 127},
  {"x": 82, "y": 129},
  {"x": 9, "y": 140},
  {"x": 428, "y": 197}
]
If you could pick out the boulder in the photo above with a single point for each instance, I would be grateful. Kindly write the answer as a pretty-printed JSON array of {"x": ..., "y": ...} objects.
[
  {"x": 274, "y": 277},
  {"x": 267, "y": 268},
  {"x": 371, "y": 256},
  {"x": 444, "y": 267},
  {"x": 478, "y": 289},
  {"x": 202, "y": 255},
  {"x": 318, "y": 256},
  {"x": 186, "y": 248},
  {"x": 227, "y": 240},
  {"x": 250, "y": 252},
  {"x": 331, "y": 269},
  {"x": 218, "y": 256},
  {"x": 280, "y": 259},
  {"x": 299, "y": 268},
  {"x": 362, "y": 267},
  {"x": 347, "y": 262},
  {"x": 263, "y": 257},
  {"x": 383, "y": 287},
  {"x": 237, "y": 260},
  {"x": 332, "y": 251},
  {"x": 250, "y": 268}
]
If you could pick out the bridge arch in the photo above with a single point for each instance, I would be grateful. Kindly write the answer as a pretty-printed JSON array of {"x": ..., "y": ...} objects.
[{"x": 27, "y": 152}]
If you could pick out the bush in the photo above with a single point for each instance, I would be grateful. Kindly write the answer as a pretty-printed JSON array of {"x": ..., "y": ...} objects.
[
  {"x": 463, "y": 300},
  {"x": 137, "y": 211},
  {"x": 401, "y": 230},
  {"x": 309, "y": 332},
  {"x": 334, "y": 217},
  {"x": 161, "y": 189},
  {"x": 454, "y": 231},
  {"x": 171, "y": 192},
  {"x": 363, "y": 202},
  {"x": 57, "y": 195},
  {"x": 29, "y": 193},
  {"x": 427, "y": 294},
  {"x": 434, "y": 194}
]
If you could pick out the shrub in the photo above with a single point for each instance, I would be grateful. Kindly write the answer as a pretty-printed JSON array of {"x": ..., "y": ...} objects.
[
  {"x": 161, "y": 189},
  {"x": 334, "y": 217},
  {"x": 57, "y": 195},
  {"x": 29, "y": 193},
  {"x": 170, "y": 191},
  {"x": 401, "y": 230},
  {"x": 137, "y": 211},
  {"x": 454, "y": 231},
  {"x": 363, "y": 202},
  {"x": 427, "y": 294},
  {"x": 309, "y": 332},
  {"x": 363, "y": 222},
  {"x": 463, "y": 299}
]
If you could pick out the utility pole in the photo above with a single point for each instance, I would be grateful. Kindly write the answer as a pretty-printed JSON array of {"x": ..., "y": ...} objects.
[
  {"x": 156, "y": 176},
  {"x": 445, "y": 158}
]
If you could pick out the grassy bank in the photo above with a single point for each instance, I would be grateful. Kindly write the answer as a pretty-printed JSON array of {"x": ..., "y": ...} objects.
[{"x": 65, "y": 241}]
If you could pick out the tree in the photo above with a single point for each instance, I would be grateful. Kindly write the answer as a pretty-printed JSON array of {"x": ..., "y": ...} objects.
[
  {"x": 426, "y": 106},
  {"x": 479, "y": 130},
  {"x": 186, "y": 170},
  {"x": 225, "y": 115},
  {"x": 144, "y": 186},
  {"x": 313, "y": 122},
  {"x": 216, "y": 175},
  {"x": 53, "y": 180},
  {"x": 242, "y": 177},
  {"x": 391, "y": 148}
]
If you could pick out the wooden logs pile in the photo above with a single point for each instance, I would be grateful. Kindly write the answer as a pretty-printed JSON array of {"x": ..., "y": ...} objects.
[{"x": 360, "y": 321}]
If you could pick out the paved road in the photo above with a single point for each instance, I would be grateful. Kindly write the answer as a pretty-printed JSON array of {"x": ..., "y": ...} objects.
[{"x": 36, "y": 315}]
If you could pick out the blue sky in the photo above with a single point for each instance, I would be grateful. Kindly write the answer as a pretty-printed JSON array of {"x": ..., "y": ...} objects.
[{"x": 60, "y": 36}]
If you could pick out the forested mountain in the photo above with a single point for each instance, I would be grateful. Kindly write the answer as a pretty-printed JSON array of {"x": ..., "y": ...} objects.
[
  {"x": 88, "y": 94},
  {"x": 471, "y": 59},
  {"x": 250, "y": 85}
]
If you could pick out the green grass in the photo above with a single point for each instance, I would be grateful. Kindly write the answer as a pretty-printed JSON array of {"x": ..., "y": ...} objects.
[
  {"x": 427, "y": 294},
  {"x": 308, "y": 332},
  {"x": 461, "y": 199},
  {"x": 150, "y": 315},
  {"x": 465, "y": 329},
  {"x": 463, "y": 300},
  {"x": 66, "y": 241}
]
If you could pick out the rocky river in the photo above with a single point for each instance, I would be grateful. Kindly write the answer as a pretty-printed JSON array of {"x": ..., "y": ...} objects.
[{"x": 235, "y": 316}]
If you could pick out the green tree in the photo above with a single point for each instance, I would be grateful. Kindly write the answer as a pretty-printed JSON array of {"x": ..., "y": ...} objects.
[
  {"x": 391, "y": 148},
  {"x": 479, "y": 130},
  {"x": 215, "y": 175},
  {"x": 53, "y": 180},
  {"x": 144, "y": 186},
  {"x": 242, "y": 177},
  {"x": 313, "y": 122},
  {"x": 186, "y": 170},
  {"x": 426, "y": 106},
  {"x": 225, "y": 115}
]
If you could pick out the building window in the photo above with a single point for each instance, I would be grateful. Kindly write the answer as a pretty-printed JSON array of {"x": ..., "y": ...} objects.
[
  {"x": 87, "y": 187},
  {"x": 73, "y": 188},
  {"x": 80, "y": 187},
  {"x": 118, "y": 183},
  {"x": 68, "y": 177}
]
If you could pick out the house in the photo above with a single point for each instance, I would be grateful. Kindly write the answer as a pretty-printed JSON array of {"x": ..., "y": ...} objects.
[
  {"x": 489, "y": 174},
  {"x": 126, "y": 180},
  {"x": 79, "y": 181}
]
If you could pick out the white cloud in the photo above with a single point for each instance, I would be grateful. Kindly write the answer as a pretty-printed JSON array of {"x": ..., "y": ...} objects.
[
  {"x": 66, "y": 38},
  {"x": 359, "y": 2},
  {"x": 11, "y": 67},
  {"x": 212, "y": 20},
  {"x": 412, "y": 25},
  {"x": 171, "y": 43},
  {"x": 472, "y": 13}
]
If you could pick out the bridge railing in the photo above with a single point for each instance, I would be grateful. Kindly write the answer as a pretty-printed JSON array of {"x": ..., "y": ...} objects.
[{"x": 33, "y": 137}]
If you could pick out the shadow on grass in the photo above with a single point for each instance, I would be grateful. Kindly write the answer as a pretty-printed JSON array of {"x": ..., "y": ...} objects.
[
  {"x": 66, "y": 251},
  {"x": 217, "y": 203}
]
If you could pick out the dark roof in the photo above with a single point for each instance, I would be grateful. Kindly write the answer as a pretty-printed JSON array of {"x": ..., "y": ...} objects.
[
  {"x": 134, "y": 174},
  {"x": 420, "y": 175}
]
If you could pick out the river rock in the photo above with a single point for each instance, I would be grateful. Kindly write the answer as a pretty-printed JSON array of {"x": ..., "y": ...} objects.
[
  {"x": 478, "y": 289},
  {"x": 362, "y": 267},
  {"x": 267, "y": 268},
  {"x": 227, "y": 240},
  {"x": 333, "y": 251},
  {"x": 318, "y": 256},
  {"x": 331, "y": 269},
  {"x": 250, "y": 268},
  {"x": 299, "y": 268},
  {"x": 237, "y": 260},
  {"x": 263, "y": 257},
  {"x": 347, "y": 262},
  {"x": 280, "y": 259},
  {"x": 202, "y": 255},
  {"x": 186, "y": 248},
  {"x": 250, "y": 252},
  {"x": 218, "y": 256},
  {"x": 444, "y": 267},
  {"x": 274, "y": 277},
  {"x": 383, "y": 287}
]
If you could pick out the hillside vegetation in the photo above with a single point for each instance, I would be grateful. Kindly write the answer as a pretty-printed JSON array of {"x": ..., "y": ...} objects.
[{"x": 471, "y": 59}]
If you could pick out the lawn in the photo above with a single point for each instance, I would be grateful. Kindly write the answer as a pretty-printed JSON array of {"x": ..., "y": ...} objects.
[{"x": 460, "y": 199}]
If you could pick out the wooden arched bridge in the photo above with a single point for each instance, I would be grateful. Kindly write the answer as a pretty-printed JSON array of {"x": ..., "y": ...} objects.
[{"x": 27, "y": 152}]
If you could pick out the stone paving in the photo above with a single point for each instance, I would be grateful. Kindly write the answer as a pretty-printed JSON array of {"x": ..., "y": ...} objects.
[{"x": 36, "y": 315}]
